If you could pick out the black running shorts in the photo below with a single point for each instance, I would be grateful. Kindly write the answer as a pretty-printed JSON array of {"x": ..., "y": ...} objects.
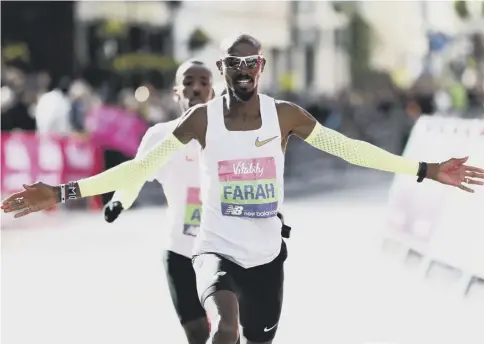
[
  {"x": 183, "y": 287},
  {"x": 259, "y": 290}
]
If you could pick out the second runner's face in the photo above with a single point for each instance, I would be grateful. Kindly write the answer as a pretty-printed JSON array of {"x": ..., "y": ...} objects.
[
  {"x": 242, "y": 67},
  {"x": 195, "y": 88}
]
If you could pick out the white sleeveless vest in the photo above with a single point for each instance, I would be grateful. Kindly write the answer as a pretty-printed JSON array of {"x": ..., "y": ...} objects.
[{"x": 242, "y": 188}]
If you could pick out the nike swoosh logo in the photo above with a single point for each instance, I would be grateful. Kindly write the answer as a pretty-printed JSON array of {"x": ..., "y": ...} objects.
[
  {"x": 269, "y": 329},
  {"x": 264, "y": 142},
  {"x": 187, "y": 158}
]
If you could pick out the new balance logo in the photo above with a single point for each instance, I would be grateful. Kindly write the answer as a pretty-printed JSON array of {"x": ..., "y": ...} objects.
[
  {"x": 263, "y": 142},
  {"x": 234, "y": 210}
]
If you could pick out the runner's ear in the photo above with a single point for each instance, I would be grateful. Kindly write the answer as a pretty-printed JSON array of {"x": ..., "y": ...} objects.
[
  {"x": 262, "y": 65},
  {"x": 219, "y": 66}
]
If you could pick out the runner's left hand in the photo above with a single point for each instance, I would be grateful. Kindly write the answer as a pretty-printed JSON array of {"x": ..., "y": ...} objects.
[{"x": 453, "y": 172}]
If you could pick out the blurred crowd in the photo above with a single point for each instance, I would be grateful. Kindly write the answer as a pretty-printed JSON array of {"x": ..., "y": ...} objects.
[
  {"x": 378, "y": 112},
  {"x": 33, "y": 101},
  {"x": 99, "y": 70}
]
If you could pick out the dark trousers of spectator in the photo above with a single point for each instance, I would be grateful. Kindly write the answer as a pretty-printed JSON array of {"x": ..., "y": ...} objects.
[{"x": 111, "y": 159}]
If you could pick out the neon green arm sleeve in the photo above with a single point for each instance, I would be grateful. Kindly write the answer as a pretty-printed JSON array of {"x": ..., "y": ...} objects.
[
  {"x": 132, "y": 172},
  {"x": 359, "y": 152},
  {"x": 152, "y": 137},
  {"x": 127, "y": 196}
]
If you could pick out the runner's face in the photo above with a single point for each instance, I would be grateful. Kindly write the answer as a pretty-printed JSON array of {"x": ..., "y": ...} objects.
[
  {"x": 195, "y": 88},
  {"x": 242, "y": 67}
]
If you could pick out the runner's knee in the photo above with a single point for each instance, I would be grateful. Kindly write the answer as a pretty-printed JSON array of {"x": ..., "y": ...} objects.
[
  {"x": 198, "y": 336},
  {"x": 223, "y": 311},
  {"x": 226, "y": 332},
  {"x": 197, "y": 331}
]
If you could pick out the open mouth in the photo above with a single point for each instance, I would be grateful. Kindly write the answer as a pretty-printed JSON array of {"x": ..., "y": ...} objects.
[{"x": 243, "y": 80}]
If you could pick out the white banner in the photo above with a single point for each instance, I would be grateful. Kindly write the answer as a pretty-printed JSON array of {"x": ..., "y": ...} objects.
[{"x": 444, "y": 223}]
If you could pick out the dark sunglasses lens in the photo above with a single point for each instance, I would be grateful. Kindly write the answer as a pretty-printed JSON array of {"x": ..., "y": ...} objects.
[
  {"x": 252, "y": 62},
  {"x": 232, "y": 62}
]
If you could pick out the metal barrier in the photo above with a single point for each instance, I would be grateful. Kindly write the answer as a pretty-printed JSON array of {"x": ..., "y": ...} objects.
[
  {"x": 27, "y": 157},
  {"x": 442, "y": 225}
]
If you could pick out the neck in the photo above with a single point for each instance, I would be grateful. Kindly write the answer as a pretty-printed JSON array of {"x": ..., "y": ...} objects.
[{"x": 234, "y": 104}]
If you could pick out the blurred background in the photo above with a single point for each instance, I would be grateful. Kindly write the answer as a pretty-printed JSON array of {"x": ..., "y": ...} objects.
[
  {"x": 356, "y": 67},
  {"x": 82, "y": 81}
]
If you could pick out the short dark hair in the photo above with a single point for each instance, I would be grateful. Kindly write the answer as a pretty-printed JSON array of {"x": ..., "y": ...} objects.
[
  {"x": 64, "y": 84},
  {"x": 242, "y": 38}
]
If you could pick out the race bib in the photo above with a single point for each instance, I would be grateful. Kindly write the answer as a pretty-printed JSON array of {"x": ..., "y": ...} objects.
[
  {"x": 248, "y": 187},
  {"x": 193, "y": 212}
]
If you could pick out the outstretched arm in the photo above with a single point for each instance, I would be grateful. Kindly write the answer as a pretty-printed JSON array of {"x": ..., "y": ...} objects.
[
  {"x": 356, "y": 152},
  {"x": 296, "y": 120},
  {"x": 155, "y": 134},
  {"x": 134, "y": 172}
]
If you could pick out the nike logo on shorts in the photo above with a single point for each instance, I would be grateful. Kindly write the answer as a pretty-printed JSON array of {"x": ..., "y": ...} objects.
[
  {"x": 270, "y": 329},
  {"x": 264, "y": 142}
]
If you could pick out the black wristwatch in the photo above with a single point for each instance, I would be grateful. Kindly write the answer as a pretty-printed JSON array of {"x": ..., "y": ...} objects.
[{"x": 422, "y": 171}]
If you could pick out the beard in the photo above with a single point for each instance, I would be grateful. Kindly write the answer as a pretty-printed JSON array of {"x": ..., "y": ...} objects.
[{"x": 240, "y": 95}]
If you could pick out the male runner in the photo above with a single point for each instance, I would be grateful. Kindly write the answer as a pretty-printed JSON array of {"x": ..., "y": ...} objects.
[
  {"x": 180, "y": 179},
  {"x": 181, "y": 182},
  {"x": 239, "y": 252}
]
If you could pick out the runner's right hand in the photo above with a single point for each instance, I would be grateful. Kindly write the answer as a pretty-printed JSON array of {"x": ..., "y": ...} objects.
[
  {"x": 112, "y": 211},
  {"x": 33, "y": 198}
]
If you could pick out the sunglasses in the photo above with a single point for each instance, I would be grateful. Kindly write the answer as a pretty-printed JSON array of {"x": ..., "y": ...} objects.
[{"x": 234, "y": 62}]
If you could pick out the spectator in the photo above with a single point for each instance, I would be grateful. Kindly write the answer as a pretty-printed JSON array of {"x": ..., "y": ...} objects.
[
  {"x": 15, "y": 116},
  {"x": 52, "y": 113},
  {"x": 83, "y": 100},
  {"x": 15, "y": 107}
]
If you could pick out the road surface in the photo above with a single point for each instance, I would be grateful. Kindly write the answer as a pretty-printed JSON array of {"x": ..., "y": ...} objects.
[{"x": 70, "y": 278}]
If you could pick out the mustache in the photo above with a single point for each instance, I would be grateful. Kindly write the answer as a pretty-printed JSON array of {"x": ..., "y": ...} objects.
[{"x": 243, "y": 77}]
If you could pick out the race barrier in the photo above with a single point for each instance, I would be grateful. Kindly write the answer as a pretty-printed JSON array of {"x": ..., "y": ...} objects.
[
  {"x": 443, "y": 225},
  {"x": 116, "y": 128},
  {"x": 27, "y": 157}
]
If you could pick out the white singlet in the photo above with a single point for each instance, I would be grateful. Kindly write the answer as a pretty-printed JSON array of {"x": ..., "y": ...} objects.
[
  {"x": 242, "y": 187},
  {"x": 181, "y": 184}
]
